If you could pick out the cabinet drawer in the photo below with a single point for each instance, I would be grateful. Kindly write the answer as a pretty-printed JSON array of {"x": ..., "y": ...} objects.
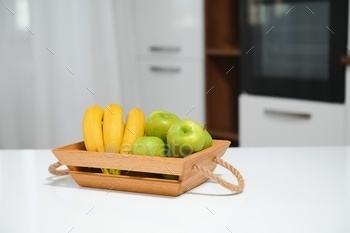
[
  {"x": 177, "y": 87},
  {"x": 266, "y": 121},
  {"x": 169, "y": 28}
]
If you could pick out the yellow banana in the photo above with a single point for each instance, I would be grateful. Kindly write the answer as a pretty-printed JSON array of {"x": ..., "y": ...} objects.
[
  {"x": 134, "y": 128},
  {"x": 113, "y": 130},
  {"x": 92, "y": 130}
]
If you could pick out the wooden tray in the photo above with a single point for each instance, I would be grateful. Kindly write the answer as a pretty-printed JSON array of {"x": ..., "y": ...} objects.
[{"x": 143, "y": 173}]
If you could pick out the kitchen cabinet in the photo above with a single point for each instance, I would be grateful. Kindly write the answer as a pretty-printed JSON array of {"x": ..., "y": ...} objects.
[
  {"x": 175, "y": 86},
  {"x": 169, "y": 42},
  {"x": 269, "y": 121},
  {"x": 172, "y": 28}
]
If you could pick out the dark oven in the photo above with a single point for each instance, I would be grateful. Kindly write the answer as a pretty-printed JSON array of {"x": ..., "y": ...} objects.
[{"x": 293, "y": 48}]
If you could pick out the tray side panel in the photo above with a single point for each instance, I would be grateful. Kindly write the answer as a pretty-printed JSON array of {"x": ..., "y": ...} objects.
[
  {"x": 126, "y": 183},
  {"x": 195, "y": 178},
  {"x": 192, "y": 178},
  {"x": 74, "y": 146},
  {"x": 80, "y": 158},
  {"x": 205, "y": 158}
]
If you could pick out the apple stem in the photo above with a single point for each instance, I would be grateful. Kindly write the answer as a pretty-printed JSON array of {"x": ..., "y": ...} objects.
[{"x": 205, "y": 126}]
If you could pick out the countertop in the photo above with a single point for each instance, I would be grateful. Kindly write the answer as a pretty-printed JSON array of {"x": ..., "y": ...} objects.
[{"x": 287, "y": 190}]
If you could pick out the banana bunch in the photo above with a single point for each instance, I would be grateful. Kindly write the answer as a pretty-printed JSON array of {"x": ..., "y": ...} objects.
[{"x": 105, "y": 131}]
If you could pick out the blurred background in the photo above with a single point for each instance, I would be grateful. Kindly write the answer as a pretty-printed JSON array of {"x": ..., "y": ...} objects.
[
  {"x": 59, "y": 57},
  {"x": 258, "y": 73}
]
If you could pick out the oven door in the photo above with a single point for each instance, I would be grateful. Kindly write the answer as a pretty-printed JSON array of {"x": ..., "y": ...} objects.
[{"x": 292, "y": 48}]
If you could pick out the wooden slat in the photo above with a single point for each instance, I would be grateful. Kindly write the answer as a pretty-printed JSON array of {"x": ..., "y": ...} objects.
[
  {"x": 74, "y": 146},
  {"x": 127, "y": 183},
  {"x": 121, "y": 162}
]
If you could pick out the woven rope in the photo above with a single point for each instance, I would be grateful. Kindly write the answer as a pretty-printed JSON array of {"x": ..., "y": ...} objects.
[
  {"x": 54, "y": 171},
  {"x": 234, "y": 188}
]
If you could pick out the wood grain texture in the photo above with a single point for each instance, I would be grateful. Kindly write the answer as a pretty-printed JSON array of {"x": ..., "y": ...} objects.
[
  {"x": 222, "y": 68},
  {"x": 127, "y": 183},
  {"x": 223, "y": 74},
  {"x": 82, "y": 166},
  {"x": 221, "y": 24}
]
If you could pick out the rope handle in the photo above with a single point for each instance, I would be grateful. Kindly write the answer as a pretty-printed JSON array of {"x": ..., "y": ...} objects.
[
  {"x": 54, "y": 171},
  {"x": 234, "y": 188}
]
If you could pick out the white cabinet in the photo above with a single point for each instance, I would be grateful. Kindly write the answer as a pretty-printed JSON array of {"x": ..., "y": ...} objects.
[
  {"x": 169, "y": 38},
  {"x": 173, "y": 86},
  {"x": 267, "y": 121},
  {"x": 173, "y": 28}
]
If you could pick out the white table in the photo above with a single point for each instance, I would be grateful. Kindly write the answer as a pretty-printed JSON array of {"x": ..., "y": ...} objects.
[{"x": 287, "y": 190}]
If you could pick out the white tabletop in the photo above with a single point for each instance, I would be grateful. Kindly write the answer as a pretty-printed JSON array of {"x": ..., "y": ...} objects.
[{"x": 287, "y": 190}]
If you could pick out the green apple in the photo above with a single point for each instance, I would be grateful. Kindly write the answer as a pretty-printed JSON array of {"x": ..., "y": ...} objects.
[
  {"x": 149, "y": 145},
  {"x": 158, "y": 124},
  {"x": 185, "y": 137},
  {"x": 208, "y": 140}
]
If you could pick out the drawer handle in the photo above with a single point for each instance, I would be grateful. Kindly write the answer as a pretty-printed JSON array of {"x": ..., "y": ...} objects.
[
  {"x": 299, "y": 115},
  {"x": 165, "y": 49},
  {"x": 165, "y": 69}
]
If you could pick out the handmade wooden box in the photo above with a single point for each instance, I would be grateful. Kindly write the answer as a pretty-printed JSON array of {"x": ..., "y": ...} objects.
[{"x": 143, "y": 174}]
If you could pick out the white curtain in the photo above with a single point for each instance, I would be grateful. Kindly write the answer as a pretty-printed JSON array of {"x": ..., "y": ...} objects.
[{"x": 55, "y": 61}]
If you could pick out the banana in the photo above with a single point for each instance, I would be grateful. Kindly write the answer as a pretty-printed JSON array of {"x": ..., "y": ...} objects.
[
  {"x": 92, "y": 130},
  {"x": 113, "y": 130},
  {"x": 134, "y": 128}
]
